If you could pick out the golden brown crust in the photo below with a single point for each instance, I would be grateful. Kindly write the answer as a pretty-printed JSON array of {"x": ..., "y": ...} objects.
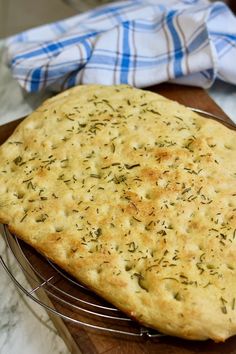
[{"x": 135, "y": 195}]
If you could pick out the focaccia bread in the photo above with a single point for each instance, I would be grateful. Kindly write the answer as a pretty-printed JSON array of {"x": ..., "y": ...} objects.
[{"x": 135, "y": 196}]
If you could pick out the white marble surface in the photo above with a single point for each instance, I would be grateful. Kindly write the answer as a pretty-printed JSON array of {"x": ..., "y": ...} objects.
[
  {"x": 24, "y": 326},
  {"x": 225, "y": 96}
]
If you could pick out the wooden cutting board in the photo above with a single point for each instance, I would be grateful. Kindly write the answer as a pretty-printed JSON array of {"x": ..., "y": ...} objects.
[{"x": 83, "y": 340}]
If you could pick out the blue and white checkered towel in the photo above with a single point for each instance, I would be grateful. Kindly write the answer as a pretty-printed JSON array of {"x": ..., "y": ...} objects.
[{"x": 139, "y": 42}]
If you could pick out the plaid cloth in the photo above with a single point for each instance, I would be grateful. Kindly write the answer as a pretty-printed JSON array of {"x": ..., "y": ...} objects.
[{"x": 139, "y": 42}]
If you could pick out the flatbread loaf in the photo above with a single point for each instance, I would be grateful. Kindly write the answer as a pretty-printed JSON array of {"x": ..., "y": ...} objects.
[{"x": 135, "y": 196}]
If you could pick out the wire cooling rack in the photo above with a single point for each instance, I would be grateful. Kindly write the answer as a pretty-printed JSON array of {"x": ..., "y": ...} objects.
[
  {"x": 229, "y": 123},
  {"x": 71, "y": 300}
]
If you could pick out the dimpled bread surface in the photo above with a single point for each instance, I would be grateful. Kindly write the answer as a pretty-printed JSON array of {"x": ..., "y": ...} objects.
[{"x": 135, "y": 196}]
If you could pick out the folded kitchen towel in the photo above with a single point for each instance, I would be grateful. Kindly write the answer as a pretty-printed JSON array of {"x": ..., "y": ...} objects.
[{"x": 138, "y": 42}]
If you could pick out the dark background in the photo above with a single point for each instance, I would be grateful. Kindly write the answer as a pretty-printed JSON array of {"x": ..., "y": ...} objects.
[{"x": 18, "y": 15}]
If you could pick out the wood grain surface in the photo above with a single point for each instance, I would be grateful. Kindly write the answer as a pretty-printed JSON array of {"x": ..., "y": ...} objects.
[{"x": 82, "y": 340}]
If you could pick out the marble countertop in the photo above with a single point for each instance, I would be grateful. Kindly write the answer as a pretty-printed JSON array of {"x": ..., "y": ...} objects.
[{"x": 25, "y": 327}]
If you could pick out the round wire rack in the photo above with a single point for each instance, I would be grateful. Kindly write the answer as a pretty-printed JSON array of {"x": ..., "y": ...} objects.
[{"x": 69, "y": 299}]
